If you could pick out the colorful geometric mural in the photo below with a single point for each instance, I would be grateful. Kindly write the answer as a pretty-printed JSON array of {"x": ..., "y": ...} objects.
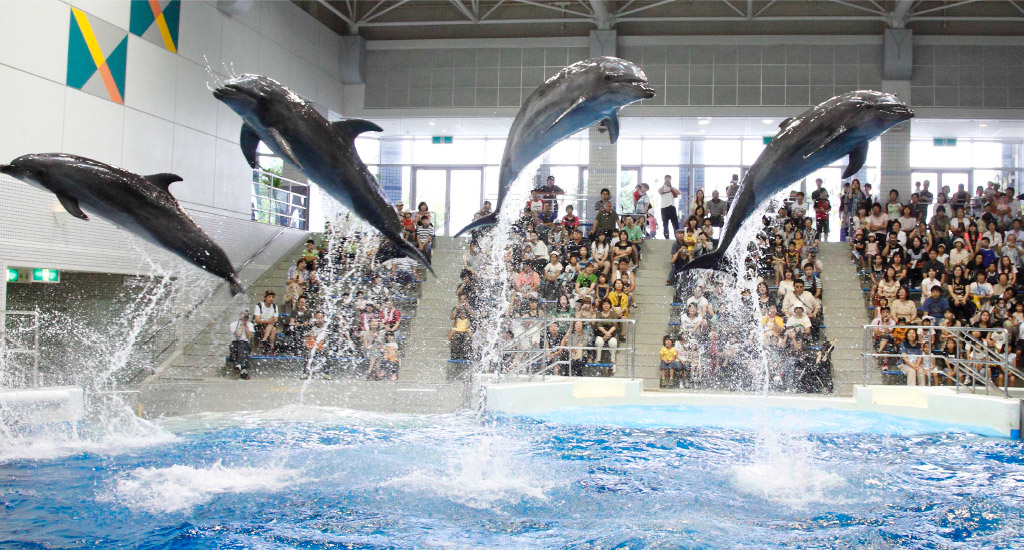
[
  {"x": 157, "y": 22},
  {"x": 97, "y": 56}
]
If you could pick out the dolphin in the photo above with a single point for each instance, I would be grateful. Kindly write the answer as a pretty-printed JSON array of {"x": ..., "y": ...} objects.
[
  {"x": 579, "y": 95},
  {"x": 324, "y": 151},
  {"x": 142, "y": 205},
  {"x": 819, "y": 136}
]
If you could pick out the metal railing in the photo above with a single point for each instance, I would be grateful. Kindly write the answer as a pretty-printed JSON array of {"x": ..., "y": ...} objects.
[
  {"x": 528, "y": 359},
  {"x": 277, "y": 206},
  {"x": 972, "y": 364},
  {"x": 22, "y": 339}
]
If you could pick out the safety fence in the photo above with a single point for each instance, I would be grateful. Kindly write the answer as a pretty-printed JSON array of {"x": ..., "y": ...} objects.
[
  {"x": 535, "y": 350},
  {"x": 979, "y": 356}
]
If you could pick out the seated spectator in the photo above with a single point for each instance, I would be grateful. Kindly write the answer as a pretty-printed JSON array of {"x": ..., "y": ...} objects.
[
  {"x": 635, "y": 236},
  {"x": 935, "y": 305},
  {"x": 799, "y": 322},
  {"x": 904, "y": 307},
  {"x": 552, "y": 271},
  {"x": 310, "y": 254},
  {"x": 691, "y": 322},
  {"x": 295, "y": 283},
  {"x": 563, "y": 308},
  {"x": 391, "y": 358},
  {"x": 912, "y": 360},
  {"x": 554, "y": 340},
  {"x": 623, "y": 250},
  {"x": 602, "y": 289},
  {"x": 570, "y": 221},
  {"x": 703, "y": 305},
  {"x": 527, "y": 283},
  {"x": 372, "y": 338},
  {"x": 425, "y": 235},
  {"x": 883, "y": 334},
  {"x": 800, "y": 297},
  {"x": 581, "y": 336},
  {"x": 266, "y": 321},
  {"x": 240, "y": 349},
  {"x": 619, "y": 299},
  {"x": 390, "y": 317},
  {"x": 585, "y": 282},
  {"x": 670, "y": 364}
]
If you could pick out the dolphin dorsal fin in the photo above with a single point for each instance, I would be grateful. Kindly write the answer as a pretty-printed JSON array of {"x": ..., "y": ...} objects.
[
  {"x": 249, "y": 141},
  {"x": 858, "y": 156},
  {"x": 784, "y": 123},
  {"x": 611, "y": 122},
  {"x": 163, "y": 181},
  {"x": 349, "y": 129}
]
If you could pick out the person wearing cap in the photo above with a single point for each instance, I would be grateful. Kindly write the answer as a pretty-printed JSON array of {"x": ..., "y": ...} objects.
[
  {"x": 799, "y": 322},
  {"x": 266, "y": 321},
  {"x": 400, "y": 208},
  {"x": 959, "y": 255},
  {"x": 240, "y": 348}
]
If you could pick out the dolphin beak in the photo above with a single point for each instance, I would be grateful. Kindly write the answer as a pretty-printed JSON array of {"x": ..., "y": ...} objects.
[
  {"x": 900, "y": 111},
  {"x": 8, "y": 169}
]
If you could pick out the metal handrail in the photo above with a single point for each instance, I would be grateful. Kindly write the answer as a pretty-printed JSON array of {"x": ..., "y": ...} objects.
[
  {"x": 511, "y": 347},
  {"x": 990, "y": 357}
]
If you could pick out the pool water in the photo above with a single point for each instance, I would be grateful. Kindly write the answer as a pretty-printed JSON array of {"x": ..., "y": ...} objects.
[{"x": 620, "y": 477}]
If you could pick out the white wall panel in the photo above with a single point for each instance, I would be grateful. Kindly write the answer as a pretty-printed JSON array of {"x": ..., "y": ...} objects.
[
  {"x": 229, "y": 124},
  {"x": 305, "y": 35},
  {"x": 194, "y": 104},
  {"x": 149, "y": 80},
  {"x": 302, "y": 78},
  {"x": 32, "y": 110},
  {"x": 275, "y": 21},
  {"x": 330, "y": 93},
  {"x": 34, "y": 37},
  {"x": 194, "y": 154},
  {"x": 93, "y": 127},
  {"x": 275, "y": 61},
  {"x": 115, "y": 12},
  {"x": 148, "y": 143},
  {"x": 240, "y": 48},
  {"x": 199, "y": 34},
  {"x": 232, "y": 185},
  {"x": 328, "y": 59}
]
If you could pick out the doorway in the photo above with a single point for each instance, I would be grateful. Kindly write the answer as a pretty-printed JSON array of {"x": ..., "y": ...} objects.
[{"x": 452, "y": 194}]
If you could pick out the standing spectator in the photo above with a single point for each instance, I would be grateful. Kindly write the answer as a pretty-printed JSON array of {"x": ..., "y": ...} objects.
[
  {"x": 241, "y": 334},
  {"x": 680, "y": 256},
  {"x": 549, "y": 194},
  {"x": 822, "y": 211},
  {"x": 570, "y": 221},
  {"x": 460, "y": 336},
  {"x": 730, "y": 190},
  {"x": 912, "y": 366},
  {"x": 717, "y": 209},
  {"x": 669, "y": 195},
  {"x": 605, "y": 221},
  {"x": 643, "y": 202},
  {"x": 266, "y": 321},
  {"x": 606, "y": 200}
]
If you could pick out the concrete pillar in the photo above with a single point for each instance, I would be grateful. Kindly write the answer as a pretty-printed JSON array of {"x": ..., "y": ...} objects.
[
  {"x": 603, "y": 169},
  {"x": 896, "y": 163},
  {"x": 604, "y": 42},
  {"x": 352, "y": 66}
]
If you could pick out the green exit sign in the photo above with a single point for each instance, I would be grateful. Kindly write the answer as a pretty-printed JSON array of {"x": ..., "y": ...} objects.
[
  {"x": 45, "y": 276},
  {"x": 12, "y": 275},
  {"x": 767, "y": 139},
  {"x": 438, "y": 140},
  {"x": 944, "y": 142}
]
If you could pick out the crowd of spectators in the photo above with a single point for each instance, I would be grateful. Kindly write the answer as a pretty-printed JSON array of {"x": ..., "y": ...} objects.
[
  {"x": 555, "y": 270},
  {"x": 714, "y": 347},
  {"x": 937, "y": 261},
  {"x": 358, "y": 327}
]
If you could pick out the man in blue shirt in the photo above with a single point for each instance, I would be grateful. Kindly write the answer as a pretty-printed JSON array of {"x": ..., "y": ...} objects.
[
  {"x": 935, "y": 305},
  {"x": 987, "y": 253}
]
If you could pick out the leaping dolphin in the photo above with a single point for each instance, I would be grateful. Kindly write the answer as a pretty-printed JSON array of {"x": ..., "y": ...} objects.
[
  {"x": 142, "y": 205},
  {"x": 579, "y": 95},
  {"x": 821, "y": 135},
  {"x": 324, "y": 151}
]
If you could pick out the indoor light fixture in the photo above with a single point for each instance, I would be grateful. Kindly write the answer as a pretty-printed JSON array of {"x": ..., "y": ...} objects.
[
  {"x": 704, "y": 121},
  {"x": 766, "y": 120}
]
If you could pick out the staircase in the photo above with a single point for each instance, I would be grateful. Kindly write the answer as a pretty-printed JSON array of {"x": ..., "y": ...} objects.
[
  {"x": 203, "y": 355},
  {"x": 654, "y": 299},
  {"x": 845, "y": 316},
  {"x": 427, "y": 353}
]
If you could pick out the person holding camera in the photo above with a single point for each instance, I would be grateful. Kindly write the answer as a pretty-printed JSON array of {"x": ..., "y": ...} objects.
[{"x": 241, "y": 334}]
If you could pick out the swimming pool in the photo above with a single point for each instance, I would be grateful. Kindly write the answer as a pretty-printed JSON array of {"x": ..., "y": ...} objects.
[{"x": 617, "y": 477}]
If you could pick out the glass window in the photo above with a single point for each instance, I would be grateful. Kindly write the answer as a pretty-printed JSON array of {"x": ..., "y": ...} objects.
[
  {"x": 752, "y": 149},
  {"x": 988, "y": 154},
  {"x": 923, "y": 154},
  {"x": 718, "y": 151},
  {"x": 460, "y": 151},
  {"x": 368, "y": 150},
  {"x": 662, "y": 151},
  {"x": 564, "y": 152},
  {"x": 493, "y": 150},
  {"x": 629, "y": 151}
]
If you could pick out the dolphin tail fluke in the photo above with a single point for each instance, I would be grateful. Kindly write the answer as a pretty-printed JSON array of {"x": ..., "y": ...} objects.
[
  {"x": 486, "y": 221},
  {"x": 411, "y": 251},
  {"x": 236, "y": 285},
  {"x": 713, "y": 260}
]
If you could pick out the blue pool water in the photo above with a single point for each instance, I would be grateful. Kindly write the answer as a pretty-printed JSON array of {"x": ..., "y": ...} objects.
[{"x": 625, "y": 477}]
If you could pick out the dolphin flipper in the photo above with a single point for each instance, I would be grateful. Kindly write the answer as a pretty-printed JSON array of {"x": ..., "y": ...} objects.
[
  {"x": 411, "y": 251},
  {"x": 486, "y": 221},
  {"x": 858, "y": 156},
  {"x": 286, "y": 148},
  {"x": 611, "y": 122},
  {"x": 236, "y": 285},
  {"x": 71, "y": 205},
  {"x": 713, "y": 260},
  {"x": 249, "y": 140}
]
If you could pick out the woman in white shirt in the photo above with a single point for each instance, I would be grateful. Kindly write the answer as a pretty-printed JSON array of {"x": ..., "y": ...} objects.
[
  {"x": 959, "y": 255},
  {"x": 786, "y": 284}
]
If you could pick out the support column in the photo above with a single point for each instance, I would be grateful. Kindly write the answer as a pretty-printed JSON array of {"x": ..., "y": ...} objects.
[
  {"x": 603, "y": 169},
  {"x": 896, "y": 163}
]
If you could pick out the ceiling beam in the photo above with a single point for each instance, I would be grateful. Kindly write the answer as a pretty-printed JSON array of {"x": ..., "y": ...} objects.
[
  {"x": 602, "y": 17},
  {"x": 623, "y": 12},
  {"x": 351, "y": 24},
  {"x": 465, "y": 11},
  {"x": 490, "y": 11},
  {"x": 915, "y": 14},
  {"x": 898, "y": 17},
  {"x": 552, "y": 7},
  {"x": 368, "y": 17},
  {"x": 734, "y": 8},
  {"x": 857, "y": 7}
]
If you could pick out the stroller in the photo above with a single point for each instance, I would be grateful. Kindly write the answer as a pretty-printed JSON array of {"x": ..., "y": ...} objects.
[{"x": 817, "y": 378}]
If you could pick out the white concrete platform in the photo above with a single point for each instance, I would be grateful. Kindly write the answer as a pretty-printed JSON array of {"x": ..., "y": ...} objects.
[
  {"x": 941, "y": 404},
  {"x": 42, "y": 405}
]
